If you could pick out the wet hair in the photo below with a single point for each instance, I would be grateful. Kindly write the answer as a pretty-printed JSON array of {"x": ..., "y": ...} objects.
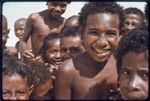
[
  {"x": 70, "y": 31},
  {"x": 11, "y": 66},
  {"x": 101, "y": 7},
  {"x": 45, "y": 46},
  {"x": 136, "y": 11},
  {"x": 136, "y": 41},
  {"x": 40, "y": 72}
]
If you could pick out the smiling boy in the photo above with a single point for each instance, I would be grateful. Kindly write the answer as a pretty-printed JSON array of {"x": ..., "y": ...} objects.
[{"x": 93, "y": 74}]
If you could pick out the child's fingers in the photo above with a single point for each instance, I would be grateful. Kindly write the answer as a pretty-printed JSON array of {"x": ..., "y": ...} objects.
[{"x": 28, "y": 54}]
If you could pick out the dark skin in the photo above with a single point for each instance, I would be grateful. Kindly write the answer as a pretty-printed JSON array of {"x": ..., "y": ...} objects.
[
  {"x": 41, "y": 91},
  {"x": 132, "y": 21},
  {"x": 92, "y": 74},
  {"x": 41, "y": 24},
  {"x": 71, "y": 46},
  {"x": 134, "y": 77},
  {"x": 16, "y": 88},
  {"x": 19, "y": 27},
  {"x": 71, "y": 21},
  {"x": 12, "y": 51}
]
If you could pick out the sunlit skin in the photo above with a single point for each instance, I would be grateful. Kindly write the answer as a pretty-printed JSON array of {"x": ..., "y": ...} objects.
[
  {"x": 19, "y": 27},
  {"x": 41, "y": 24},
  {"x": 54, "y": 52},
  {"x": 101, "y": 35},
  {"x": 56, "y": 9},
  {"x": 71, "y": 22},
  {"x": 92, "y": 74},
  {"x": 132, "y": 21},
  {"x": 70, "y": 46},
  {"x": 134, "y": 76},
  {"x": 15, "y": 88}
]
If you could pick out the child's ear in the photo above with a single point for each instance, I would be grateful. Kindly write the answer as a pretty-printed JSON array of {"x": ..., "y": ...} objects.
[{"x": 31, "y": 89}]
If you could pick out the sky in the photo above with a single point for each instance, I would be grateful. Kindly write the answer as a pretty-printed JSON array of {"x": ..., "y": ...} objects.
[{"x": 16, "y": 10}]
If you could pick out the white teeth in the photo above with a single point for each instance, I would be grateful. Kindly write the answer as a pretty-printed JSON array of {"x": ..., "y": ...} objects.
[{"x": 100, "y": 51}]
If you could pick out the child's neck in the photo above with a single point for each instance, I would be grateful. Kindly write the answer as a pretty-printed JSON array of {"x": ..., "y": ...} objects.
[{"x": 92, "y": 63}]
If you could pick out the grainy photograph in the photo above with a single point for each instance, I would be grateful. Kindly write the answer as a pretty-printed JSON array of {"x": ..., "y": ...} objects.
[{"x": 71, "y": 50}]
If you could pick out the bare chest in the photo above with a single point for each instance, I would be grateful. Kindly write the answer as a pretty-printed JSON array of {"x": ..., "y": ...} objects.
[
  {"x": 43, "y": 27},
  {"x": 97, "y": 87}
]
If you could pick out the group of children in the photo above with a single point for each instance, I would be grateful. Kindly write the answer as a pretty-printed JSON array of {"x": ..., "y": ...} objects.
[{"x": 102, "y": 53}]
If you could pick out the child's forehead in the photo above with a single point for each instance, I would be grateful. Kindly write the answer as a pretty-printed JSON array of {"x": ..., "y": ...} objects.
[
  {"x": 19, "y": 22},
  {"x": 134, "y": 59},
  {"x": 52, "y": 41}
]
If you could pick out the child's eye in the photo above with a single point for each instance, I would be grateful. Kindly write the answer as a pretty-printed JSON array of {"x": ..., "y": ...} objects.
[
  {"x": 6, "y": 93},
  {"x": 143, "y": 75},
  {"x": 111, "y": 33},
  {"x": 64, "y": 50},
  {"x": 93, "y": 33},
  {"x": 21, "y": 93},
  {"x": 125, "y": 72},
  {"x": 74, "y": 50}
]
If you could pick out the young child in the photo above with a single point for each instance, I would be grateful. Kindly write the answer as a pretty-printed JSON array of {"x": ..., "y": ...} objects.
[
  {"x": 71, "y": 43},
  {"x": 17, "y": 81},
  {"x": 134, "y": 18},
  {"x": 19, "y": 27},
  {"x": 51, "y": 52},
  {"x": 12, "y": 51},
  {"x": 92, "y": 74},
  {"x": 41, "y": 24},
  {"x": 132, "y": 63},
  {"x": 42, "y": 82}
]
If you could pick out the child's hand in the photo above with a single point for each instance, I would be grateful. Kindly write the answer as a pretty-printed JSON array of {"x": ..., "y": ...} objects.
[
  {"x": 28, "y": 54},
  {"x": 39, "y": 59}
]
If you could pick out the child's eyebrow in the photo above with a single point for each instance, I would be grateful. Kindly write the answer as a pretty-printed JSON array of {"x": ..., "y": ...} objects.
[{"x": 144, "y": 69}]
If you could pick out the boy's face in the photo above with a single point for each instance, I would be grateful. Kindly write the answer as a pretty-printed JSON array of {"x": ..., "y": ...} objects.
[
  {"x": 54, "y": 51},
  {"x": 15, "y": 88},
  {"x": 5, "y": 32},
  {"x": 101, "y": 35},
  {"x": 70, "y": 46},
  {"x": 132, "y": 21},
  {"x": 19, "y": 29},
  {"x": 134, "y": 77},
  {"x": 56, "y": 9}
]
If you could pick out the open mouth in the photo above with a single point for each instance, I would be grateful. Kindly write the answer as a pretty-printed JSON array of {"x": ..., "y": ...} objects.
[
  {"x": 58, "y": 62},
  {"x": 102, "y": 52}
]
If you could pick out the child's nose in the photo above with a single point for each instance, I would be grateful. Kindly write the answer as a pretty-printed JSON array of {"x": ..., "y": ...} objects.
[
  {"x": 135, "y": 83},
  {"x": 13, "y": 97}
]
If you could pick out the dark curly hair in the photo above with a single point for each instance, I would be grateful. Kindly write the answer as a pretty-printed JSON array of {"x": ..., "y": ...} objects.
[
  {"x": 136, "y": 41},
  {"x": 101, "y": 7},
  {"x": 40, "y": 72},
  {"x": 70, "y": 31},
  {"x": 45, "y": 46},
  {"x": 11, "y": 66}
]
